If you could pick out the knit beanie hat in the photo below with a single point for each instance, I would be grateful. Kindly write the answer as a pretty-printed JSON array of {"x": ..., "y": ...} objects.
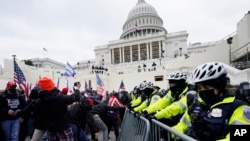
[{"x": 46, "y": 83}]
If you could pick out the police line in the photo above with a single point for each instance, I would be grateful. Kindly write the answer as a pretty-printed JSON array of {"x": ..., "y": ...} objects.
[{"x": 139, "y": 128}]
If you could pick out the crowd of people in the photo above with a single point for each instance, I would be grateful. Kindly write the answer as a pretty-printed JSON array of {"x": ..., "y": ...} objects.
[
  {"x": 51, "y": 114},
  {"x": 202, "y": 108}
]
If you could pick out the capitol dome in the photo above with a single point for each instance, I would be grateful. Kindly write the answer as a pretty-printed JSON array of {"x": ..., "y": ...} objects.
[{"x": 142, "y": 18}]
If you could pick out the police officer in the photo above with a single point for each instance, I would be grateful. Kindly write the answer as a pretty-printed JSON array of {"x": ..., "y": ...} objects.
[
  {"x": 135, "y": 98},
  {"x": 209, "y": 116},
  {"x": 243, "y": 92},
  {"x": 150, "y": 94},
  {"x": 172, "y": 106},
  {"x": 175, "y": 102}
]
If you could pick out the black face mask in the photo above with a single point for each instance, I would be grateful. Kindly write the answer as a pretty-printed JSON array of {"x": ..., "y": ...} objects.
[
  {"x": 12, "y": 90},
  {"x": 148, "y": 91},
  {"x": 208, "y": 96},
  {"x": 174, "y": 89}
]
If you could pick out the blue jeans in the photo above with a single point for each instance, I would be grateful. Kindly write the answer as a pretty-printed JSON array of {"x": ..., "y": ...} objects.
[
  {"x": 11, "y": 129},
  {"x": 78, "y": 133}
]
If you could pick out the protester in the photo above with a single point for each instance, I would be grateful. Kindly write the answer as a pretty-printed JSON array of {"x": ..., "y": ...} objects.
[
  {"x": 11, "y": 104},
  {"x": 113, "y": 116},
  {"x": 77, "y": 86},
  {"x": 99, "y": 111},
  {"x": 81, "y": 117},
  {"x": 29, "y": 113},
  {"x": 52, "y": 109}
]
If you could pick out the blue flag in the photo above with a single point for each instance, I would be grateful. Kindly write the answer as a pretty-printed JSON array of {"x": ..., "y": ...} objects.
[{"x": 69, "y": 71}]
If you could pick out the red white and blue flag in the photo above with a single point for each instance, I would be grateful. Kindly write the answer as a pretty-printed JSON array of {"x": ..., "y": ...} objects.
[
  {"x": 101, "y": 90},
  {"x": 20, "y": 79},
  {"x": 122, "y": 87}
]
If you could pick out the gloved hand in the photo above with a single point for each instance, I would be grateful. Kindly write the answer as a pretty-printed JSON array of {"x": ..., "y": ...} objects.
[
  {"x": 141, "y": 114},
  {"x": 135, "y": 114},
  {"x": 129, "y": 106},
  {"x": 145, "y": 112},
  {"x": 151, "y": 117},
  {"x": 131, "y": 110}
]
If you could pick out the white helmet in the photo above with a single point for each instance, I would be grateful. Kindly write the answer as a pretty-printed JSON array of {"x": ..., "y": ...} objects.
[
  {"x": 208, "y": 71},
  {"x": 146, "y": 84},
  {"x": 177, "y": 76}
]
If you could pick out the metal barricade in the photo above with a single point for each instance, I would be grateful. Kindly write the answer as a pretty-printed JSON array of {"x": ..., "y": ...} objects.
[
  {"x": 134, "y": 128},
  {"x": 158, "y": 130},
  {"x": 138, "y": 128}
]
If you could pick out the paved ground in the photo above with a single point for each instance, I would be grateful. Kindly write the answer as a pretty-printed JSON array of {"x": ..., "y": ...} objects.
[{"x": 111, "y": 135}]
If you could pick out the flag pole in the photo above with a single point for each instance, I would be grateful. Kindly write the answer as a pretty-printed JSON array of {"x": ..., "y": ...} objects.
[
  {"x": 42, "y": 58},
  {"x": 14, "y": 59}
]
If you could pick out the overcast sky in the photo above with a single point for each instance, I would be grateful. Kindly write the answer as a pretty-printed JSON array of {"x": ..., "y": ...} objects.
[{"x": 71, "y": 29}]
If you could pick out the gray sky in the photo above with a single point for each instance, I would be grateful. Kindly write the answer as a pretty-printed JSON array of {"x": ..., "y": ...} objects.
[{"x": 71, "y": 29}]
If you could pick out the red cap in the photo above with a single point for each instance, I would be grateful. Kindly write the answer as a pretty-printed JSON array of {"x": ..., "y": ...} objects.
[
  {"x": 65, "y": 91},
  {"x": 10, "y": 84}
]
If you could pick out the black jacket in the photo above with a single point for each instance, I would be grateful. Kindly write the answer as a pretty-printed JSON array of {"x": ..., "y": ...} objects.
[
  {"x": 102, "y": 108},
  {"x": 52, "y": 109},
  {"x": 80, "y": 114},
  {"x": 30, "y": 111},
  {"x": 8, "y": 102}
]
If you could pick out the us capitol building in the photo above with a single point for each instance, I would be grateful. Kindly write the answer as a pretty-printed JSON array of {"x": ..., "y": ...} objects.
[{"x": 146, "y": 51}]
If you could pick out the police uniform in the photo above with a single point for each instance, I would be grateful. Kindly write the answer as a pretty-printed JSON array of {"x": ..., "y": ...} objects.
[
  {"x": 153, "y": 98},
  {"x": 213, "y": 123}
]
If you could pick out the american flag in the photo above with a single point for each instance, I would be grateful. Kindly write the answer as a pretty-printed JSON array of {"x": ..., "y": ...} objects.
[
  {"x": 86, "y": 86},
  {"x": 100, "y": 87},
  {"x": 122, "y": 86},
  {"x": 69, "y": 71},
  {"x": 20, "y": 79}
]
